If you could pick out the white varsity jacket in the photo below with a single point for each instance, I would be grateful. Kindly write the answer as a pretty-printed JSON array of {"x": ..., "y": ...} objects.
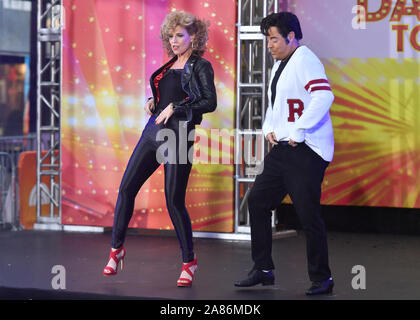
[{"x": 301, "y": 106}]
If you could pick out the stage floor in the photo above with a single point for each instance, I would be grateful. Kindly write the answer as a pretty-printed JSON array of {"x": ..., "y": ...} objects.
[{"x": 152, "y": 266}]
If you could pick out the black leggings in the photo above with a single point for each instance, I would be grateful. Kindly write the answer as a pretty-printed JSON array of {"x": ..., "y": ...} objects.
[{"x": 143, "y": 162}]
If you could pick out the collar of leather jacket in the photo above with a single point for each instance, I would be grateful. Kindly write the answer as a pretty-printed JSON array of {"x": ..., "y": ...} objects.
[{"x": 188, "y": 68}]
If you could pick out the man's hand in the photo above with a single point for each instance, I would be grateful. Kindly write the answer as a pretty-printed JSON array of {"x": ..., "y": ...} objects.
[
  {"x": 271, "y": 137},
  {"x": 165, "y": 114},
  {"x": 292, "y": 143},
  {"x": 149, "y": 106}
]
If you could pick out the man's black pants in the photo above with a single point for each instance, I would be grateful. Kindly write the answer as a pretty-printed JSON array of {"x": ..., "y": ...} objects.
[{"x": 297, "y": 171}]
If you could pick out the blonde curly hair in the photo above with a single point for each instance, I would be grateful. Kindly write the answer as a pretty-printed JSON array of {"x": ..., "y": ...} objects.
[{"x": 192, "y": 24}]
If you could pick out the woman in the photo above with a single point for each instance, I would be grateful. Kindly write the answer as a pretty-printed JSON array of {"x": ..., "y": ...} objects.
[{"x": 183, "y": 89}]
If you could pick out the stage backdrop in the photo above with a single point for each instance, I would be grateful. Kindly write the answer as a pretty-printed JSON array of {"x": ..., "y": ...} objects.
[
  {"x": 373, "y": 65},
  {"x": 110, "y": 49}
]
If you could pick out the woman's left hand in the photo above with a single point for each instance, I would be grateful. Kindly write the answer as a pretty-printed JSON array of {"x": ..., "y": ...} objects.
[{"x": 165, "y": 114}]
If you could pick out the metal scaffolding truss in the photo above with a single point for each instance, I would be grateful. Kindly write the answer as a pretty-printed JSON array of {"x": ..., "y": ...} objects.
[
  {"x": 49, "y": 69},
  {"x": 253, "y": 68}
]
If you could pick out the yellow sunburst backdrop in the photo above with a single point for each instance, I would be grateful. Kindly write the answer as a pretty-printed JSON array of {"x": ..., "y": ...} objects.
[{"x": 376, "y": 124}]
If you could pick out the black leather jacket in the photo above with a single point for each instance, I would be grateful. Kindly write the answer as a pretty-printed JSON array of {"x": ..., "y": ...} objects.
[{"x": 197, "y": 80}]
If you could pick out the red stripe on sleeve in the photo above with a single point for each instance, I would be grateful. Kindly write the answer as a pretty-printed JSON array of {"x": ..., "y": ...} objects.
[
  {"x": 315, "y": 82},
  {"x": 320, "y": 88}
]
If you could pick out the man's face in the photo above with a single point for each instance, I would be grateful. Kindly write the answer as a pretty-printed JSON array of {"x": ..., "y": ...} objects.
[{"x": 277, "y": 45}]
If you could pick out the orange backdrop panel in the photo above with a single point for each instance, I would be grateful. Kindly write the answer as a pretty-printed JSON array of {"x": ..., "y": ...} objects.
[{"x": 27, "y": 190}]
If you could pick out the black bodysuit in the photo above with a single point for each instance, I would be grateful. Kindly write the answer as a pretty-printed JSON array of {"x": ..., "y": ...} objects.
[
  {"x": 170, "y": 89},
  {"x": 145, "y": 160}
]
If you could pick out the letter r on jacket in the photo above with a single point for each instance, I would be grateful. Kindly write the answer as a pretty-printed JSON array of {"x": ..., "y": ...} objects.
[{"x": 295, "y": 107}]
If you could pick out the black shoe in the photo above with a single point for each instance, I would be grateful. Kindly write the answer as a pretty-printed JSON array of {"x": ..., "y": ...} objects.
[
  {"x": 257, "y": 277},
  {"x": 320, "y": 287}
]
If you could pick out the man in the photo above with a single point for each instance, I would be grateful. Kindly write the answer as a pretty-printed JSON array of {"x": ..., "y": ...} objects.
[{"x": 299, "y": 127}]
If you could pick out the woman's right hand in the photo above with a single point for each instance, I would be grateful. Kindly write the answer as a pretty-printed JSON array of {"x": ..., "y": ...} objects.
[{"x": 149, "y": 106}]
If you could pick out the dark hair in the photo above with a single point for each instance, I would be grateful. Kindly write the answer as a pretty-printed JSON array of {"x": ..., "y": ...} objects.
[{"x": 285, "y": 23}]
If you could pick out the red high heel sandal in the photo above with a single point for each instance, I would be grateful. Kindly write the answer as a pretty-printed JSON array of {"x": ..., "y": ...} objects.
[
  {"x": 109, "y": 271},
  {"x": 189, "y": 268}
]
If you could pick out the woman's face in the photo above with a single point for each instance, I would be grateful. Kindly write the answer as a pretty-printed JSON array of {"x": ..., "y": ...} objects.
[{"x": 180, "y": 40}]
